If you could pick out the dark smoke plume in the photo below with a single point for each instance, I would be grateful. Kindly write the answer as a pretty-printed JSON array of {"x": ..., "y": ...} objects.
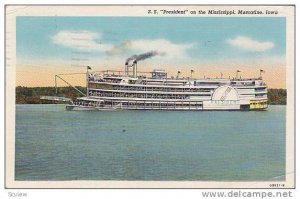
[{"x": 143, "y": 56}]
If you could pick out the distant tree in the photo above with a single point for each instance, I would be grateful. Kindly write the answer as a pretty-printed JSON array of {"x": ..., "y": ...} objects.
[
  {"x": 277, "y": 96},
  {"x": 31, "y": 95}
]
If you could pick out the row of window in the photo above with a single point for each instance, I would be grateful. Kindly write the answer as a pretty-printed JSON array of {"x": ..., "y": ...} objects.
[
  {"x": 140, "y": 88},
  {"x": 161, "y": 89},
  {"x": 151, "y": 95},
  {"x": 260, "y": 89},
  {"x": 139, "y": 104},
  {"x": 261, "y": 96},
  {"x": 140, "y": 95}
]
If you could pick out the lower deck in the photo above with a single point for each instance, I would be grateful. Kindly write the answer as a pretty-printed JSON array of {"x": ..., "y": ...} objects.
[{"x": 166, "y": 105}]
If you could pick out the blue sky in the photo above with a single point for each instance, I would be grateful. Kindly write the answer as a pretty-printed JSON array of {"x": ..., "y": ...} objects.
[
  {"x": 194, "y": 41},
  {"x": 209, "y": 34}
]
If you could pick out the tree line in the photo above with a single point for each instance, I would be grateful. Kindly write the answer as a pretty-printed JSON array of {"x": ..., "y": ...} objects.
[
  {"x": 277, "y": 96},
  {"x": 31, "y": 95}
]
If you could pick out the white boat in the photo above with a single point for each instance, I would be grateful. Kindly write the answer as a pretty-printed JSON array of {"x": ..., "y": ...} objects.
[{"x": 114, "y": 90}]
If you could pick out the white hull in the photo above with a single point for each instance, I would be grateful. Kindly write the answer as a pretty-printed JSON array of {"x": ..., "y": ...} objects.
[
  {"x": 209, "y": 108},
  {"x": 80, "y": 108}
]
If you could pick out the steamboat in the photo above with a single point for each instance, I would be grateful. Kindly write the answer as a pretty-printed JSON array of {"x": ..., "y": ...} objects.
[{"x": 130, "y": 90}]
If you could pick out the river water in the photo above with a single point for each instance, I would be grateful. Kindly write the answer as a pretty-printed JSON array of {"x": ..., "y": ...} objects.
[{"x": 55, "y": 144}]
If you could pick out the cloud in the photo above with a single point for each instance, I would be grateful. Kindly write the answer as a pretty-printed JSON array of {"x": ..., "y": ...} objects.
[
  {"x": 119, "y": 49},
  {"x": 168, "y": 48},
  {"x": 249, "y": 44},
  {"x": 80, "y": 40},
  {"x": 88, "y": 41}
]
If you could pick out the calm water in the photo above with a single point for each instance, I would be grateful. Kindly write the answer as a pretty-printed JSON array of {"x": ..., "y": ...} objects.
[{"x": 54, "y": 144}]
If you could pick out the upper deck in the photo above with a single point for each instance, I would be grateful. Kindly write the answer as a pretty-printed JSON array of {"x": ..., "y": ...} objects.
[{"x": 160, "y": 79}]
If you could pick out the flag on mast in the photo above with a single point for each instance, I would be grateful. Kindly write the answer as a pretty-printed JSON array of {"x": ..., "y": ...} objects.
[{"x": 192, "y": 71}]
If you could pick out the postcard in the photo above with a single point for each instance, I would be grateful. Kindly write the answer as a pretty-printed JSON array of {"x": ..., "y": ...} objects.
[{"x": 150, "y": 96}]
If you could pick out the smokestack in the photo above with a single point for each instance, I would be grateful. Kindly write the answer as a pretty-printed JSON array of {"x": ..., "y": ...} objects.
[
  {"x": 140, "y": 57},
  {"x": 126, "y": 68},
  {"x": 134, "y": 65}
]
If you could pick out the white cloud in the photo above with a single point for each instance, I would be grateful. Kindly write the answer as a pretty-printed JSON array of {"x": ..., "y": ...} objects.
[
  {"x": 249, "y": 44},
  {"x": 80, "y": 40},
  {"x": 119, "y": 49},
  {"x": 170, "y": 49},
  {"x": 90, "y": 42}
]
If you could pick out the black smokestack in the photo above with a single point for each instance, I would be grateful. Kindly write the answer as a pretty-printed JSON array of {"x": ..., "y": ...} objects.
[{"x": 142, "y": 56}]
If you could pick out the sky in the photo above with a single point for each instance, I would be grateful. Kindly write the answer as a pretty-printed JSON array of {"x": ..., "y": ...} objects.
[{"x": 208, "y": 45}]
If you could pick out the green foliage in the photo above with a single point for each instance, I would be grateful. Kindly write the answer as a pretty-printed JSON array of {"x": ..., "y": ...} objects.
[
  {"x": 31, "y": 95},
  {"x": 277, "y": 96}
]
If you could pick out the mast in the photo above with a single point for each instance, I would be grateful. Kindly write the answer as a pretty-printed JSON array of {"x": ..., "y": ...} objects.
[{"x": 87, "y": 80}]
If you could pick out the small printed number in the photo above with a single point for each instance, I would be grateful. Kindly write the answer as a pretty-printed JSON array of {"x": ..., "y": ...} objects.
[{"x": 277, "y": 185}]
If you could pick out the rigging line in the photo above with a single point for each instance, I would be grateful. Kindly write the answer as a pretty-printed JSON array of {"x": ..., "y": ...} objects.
[{"x": 70, "y": 85}]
